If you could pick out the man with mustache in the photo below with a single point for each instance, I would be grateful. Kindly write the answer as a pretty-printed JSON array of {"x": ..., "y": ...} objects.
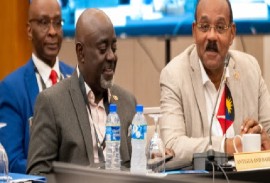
[
  {"x": 69, "y": 119},
  {"x": 190, "y": 86},
  {"x": 18, "y": 91}
]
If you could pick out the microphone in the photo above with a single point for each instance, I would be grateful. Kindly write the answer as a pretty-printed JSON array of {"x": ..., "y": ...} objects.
[
  {"x": 203, "y": 161},
  {"x": 211, "y": 153}
]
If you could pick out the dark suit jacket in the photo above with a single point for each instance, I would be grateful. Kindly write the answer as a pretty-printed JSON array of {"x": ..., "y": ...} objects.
[
  {"x": 18, "y": 92},
  {"x": 61, "y": 129}
]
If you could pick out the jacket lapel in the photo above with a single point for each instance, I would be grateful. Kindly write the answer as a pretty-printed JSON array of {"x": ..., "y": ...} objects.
[
  {"x": 82, "y": 115},
  {"x": 63, "y": 70},
  {"x": 197, "y": 84},
  {"x": 113, "y": 100},
  {"x": 114, "y": 97},
  {"x": 234, "y": 85},
  {"x": 31, "y": 84}
]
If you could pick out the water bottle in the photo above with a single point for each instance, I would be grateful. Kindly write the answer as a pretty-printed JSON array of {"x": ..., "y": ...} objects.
[
  {"x": 3, "y": 165},
  {"x": 4, "y": 177},
  {"x": 113, "y": 136},
  {"x": 138, "y": 142}
]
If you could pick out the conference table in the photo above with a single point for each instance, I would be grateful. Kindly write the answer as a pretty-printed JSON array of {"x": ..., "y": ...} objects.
[{"x": 69, "y": 173}]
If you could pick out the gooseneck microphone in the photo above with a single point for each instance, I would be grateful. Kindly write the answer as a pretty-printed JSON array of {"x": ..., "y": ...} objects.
[
  {"x": 205, "y": 160},
  {"x": 211, "y": 152}
]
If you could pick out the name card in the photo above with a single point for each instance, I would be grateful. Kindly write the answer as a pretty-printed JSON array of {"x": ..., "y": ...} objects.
[{"x": 252, "y": 160}]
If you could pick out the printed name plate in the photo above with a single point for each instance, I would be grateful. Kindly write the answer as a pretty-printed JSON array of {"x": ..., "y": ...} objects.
[{"x": 252, "y": 160}]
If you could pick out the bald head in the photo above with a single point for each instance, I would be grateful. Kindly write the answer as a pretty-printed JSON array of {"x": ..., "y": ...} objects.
[
  {"x": 208, "y": 3},
  {"x": 91, "y": 20},
  {"x": 37, "y": 7},
  {"x": 96, "y": 50}
]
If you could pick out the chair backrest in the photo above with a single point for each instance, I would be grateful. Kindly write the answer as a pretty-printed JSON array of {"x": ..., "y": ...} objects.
[{"x": 151, "y": 110}]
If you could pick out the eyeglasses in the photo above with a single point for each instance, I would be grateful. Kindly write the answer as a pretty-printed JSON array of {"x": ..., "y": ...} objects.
[
  {"x": 45, "y": 23},
  {"x": 220, "y": 28}
]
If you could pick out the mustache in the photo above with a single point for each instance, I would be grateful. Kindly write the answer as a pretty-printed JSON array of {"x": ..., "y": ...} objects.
[
  {"x": 212, "y": 46},
  {"x": 110, "y": 65}
]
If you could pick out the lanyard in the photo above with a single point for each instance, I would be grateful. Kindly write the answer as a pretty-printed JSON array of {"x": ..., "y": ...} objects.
[{"x": 100, "y": 145}]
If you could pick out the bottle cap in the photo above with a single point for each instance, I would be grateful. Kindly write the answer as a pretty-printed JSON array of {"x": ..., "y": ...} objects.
[
  {"x": 113, "y": 108},
  {"x": 139, "y": 108}
]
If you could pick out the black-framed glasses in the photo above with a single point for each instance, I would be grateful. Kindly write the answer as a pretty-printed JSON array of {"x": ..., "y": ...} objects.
[
  {"x": 220, "y": 28},
  {"x": 45, "y": 23}
]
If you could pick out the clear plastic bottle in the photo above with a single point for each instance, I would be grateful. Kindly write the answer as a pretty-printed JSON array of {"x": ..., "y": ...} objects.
[
  {"x": 138, "y": 142},
  {"x": 4, "y": 177},
  {"x": 113, "y": 136}
]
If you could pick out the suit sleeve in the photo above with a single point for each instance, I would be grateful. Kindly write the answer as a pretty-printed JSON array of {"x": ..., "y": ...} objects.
[
  {"x": 264, "y": 100},
  {"x": 43, "y": 135},
  {"x": 12, "y": 136}
]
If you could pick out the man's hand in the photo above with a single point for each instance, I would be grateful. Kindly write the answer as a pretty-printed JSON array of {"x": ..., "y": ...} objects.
[
  {"x": 265, "y": 140},
  {"x": 169, "y": 152},
  {"x": 250, "y": 126}
]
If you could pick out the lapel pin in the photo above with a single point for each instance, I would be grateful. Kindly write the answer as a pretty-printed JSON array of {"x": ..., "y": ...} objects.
[
  {"x": 236, "y": 75},
  {"x": 115, "y": 97}
]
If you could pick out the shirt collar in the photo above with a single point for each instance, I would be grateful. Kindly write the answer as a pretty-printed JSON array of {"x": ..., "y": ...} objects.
[
  {"x": 45, "y": 70},
  {"x": 205, "y": 77},
  {"x": 88, "y": 89}
]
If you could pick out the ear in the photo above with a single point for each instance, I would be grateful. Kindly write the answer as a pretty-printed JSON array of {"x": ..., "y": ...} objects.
[
  {"x": 233, "y": 33},
  {"x": 29, "y": 31},
  {"x": 194, "y": 31},
  {"x": 79, "y": 52}
]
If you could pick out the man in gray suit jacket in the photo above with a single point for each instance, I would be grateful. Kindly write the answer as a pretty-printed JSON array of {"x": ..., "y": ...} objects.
[
  {"x": 69, "y": 118},
  {"x": 190, "y": 88}
]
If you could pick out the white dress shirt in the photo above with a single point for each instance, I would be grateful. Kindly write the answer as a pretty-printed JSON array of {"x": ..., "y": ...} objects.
[
  {"x": 210, "y": 93},
  {"x": 44, "y": 71}
]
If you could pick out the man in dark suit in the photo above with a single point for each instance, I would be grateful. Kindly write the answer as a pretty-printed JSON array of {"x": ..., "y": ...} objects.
[
  {"x": 69, "y": 119},
  {"x": 18, "y": 91}
]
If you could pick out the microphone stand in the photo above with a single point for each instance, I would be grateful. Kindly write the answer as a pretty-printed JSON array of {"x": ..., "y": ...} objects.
[{"x": 206, "y": 160}]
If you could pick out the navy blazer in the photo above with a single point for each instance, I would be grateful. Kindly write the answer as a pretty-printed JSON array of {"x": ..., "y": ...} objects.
[{"x": 18, "y": 92}]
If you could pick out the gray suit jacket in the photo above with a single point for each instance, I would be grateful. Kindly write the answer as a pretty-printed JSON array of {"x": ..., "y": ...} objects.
[
  {"x": 184, "y": 124},
  {"x": 61, "y": 129}
]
